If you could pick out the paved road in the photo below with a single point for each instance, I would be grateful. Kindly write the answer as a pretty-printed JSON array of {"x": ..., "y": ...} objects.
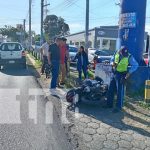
[{"x": 18, "y": 127}]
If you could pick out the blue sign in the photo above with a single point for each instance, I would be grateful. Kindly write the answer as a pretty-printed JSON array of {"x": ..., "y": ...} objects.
[{"x": 128, "y": 20}]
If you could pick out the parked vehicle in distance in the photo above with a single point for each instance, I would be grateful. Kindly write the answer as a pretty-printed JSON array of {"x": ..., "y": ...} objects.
[
  {"x": 91, "y": 51},
  {"x": 12, "y": 53},
  {"x": 91, "y": 58},
  {"x": 102, "y": 56},
  {"x": 145, "y": 56},
  {"x": 72, "y": 52},
  {"x": 37, "y": 46}
]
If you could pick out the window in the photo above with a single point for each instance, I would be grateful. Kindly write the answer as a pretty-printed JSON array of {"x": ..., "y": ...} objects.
[
  {"x": 97, "y": 44},
  {"x": 112, "y": 44},
  {"x": 82, "y": 43},
  {"x": 11, "y": 47},
  {"x": 90, "y": 44},
  {"x": 105, "y": 44},
  {"x": 77, "y": 43}
]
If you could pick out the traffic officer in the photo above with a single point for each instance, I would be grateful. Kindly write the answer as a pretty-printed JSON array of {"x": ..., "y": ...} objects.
[{"x": 120, "y": 62}]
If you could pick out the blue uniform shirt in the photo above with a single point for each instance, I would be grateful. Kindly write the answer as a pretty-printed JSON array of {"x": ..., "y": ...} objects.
[{"x": 133, "y": 64}]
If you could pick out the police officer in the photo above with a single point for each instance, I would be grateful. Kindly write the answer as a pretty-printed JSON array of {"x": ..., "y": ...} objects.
[{"x": 120, "y": 62}]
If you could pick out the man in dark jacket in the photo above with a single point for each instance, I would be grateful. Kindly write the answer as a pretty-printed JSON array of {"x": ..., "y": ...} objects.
[{"x": 54, "y": 62}]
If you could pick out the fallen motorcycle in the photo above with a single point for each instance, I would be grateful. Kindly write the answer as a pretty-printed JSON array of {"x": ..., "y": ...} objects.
[{"x": 90, "y": 91}]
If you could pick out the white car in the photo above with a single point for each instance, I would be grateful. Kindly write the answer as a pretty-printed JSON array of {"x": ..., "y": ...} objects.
[
  {"x": 72, "y": 52},
  {"x": 12, "y": 53}
]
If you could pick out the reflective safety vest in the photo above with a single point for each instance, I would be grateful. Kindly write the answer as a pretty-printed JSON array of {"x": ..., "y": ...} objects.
[{"x": 121, "y": 64}]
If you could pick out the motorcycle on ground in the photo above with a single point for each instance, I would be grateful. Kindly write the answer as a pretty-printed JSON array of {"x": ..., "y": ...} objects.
[{"x": 90, "y": 91}]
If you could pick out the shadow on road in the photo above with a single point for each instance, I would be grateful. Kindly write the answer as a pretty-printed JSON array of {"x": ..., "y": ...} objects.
[
  {"x": 15, "y": 71},
  {"x": 18, "y": 71},
  {"x": 123, "y": 121}
]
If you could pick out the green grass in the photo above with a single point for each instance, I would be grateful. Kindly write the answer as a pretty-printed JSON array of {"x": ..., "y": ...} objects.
[
  {"x": 38, "y": 63},
  {"x": 144, "y": 105},
  {"x": 71, "y": 81}
]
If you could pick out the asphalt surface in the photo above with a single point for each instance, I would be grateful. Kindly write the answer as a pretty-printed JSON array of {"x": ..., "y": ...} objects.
[{"x": 22, "y": 118}]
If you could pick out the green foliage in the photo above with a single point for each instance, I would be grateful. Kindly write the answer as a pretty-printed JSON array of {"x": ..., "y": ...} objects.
[
  {"x": 37, "y": 37},
  {"x": 11, "y": 32},
  {"x": 144, "y": 105},
  {"x": 54, "y": 26}
]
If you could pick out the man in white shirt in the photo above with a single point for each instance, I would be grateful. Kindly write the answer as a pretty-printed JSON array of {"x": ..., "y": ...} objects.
[{"x": 44, "y": 52}]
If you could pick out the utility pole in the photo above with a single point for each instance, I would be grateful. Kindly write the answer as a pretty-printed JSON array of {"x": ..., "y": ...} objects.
[
  {"x": 42, "y": 4},
  {"x": 42, "y": 14},
  {"x": 30, "y": 35},
  {"x": 87, "y": 26},
  {"x": 24, "y": 31}
]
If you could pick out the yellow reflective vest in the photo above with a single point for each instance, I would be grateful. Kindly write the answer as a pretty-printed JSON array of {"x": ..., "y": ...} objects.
[{"x": 121, "y": 64}]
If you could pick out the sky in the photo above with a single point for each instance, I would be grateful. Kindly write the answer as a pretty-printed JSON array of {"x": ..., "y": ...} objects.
[{"x": 102, "y": 12}]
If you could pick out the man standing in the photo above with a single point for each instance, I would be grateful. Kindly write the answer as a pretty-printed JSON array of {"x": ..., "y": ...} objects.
[
  {"x": 63, "y": 54},
  {"x": 54, "y": 62},
  {"x": 120, "y": 62},
  {"x": 44, "y": 52}
]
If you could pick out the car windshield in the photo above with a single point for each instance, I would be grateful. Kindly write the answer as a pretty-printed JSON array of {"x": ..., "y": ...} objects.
[
  {"x": 73, "y": 49},
  {"x": 101, "y": 53},
  {"x": 11, "y": 47}
]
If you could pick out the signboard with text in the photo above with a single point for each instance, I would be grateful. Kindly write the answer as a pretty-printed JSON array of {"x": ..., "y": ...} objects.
[{"x": 128, "y": 20}]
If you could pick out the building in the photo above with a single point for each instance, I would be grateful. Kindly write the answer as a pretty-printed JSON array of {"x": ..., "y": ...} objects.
[{"x": 103, "y": 37}]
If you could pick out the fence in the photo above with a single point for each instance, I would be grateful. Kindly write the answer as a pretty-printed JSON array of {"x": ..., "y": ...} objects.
[{"x": 37, "y": 55}]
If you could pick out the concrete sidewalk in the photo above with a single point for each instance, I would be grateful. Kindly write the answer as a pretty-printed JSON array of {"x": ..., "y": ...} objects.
[{"x": 95, "y": 128}]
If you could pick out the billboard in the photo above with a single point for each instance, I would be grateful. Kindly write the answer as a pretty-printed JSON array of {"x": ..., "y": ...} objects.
[{"x": 127, "y": 20}]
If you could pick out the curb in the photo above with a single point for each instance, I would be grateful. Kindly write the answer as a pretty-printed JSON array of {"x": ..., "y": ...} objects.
[{"x": 71, "y": 137}]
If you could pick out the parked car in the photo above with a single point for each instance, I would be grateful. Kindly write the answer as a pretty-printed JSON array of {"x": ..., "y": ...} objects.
[
  {"x": 102, "y": 56},
  {"x": 91, "y": 51},
  {"x": 145, "y": 56},
  {"x": 12, "y": 53},
  {"x": 72, "y": 52}
]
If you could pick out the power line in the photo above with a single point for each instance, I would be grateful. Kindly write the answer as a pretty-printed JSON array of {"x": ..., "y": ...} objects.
[{"x": 64, "y": 5}]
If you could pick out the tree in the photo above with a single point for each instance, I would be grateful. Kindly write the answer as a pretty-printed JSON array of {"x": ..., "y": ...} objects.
[
  {"x": 55, "y": 26},
  {"x": 37, "y": 37},
  {"x": 11, "y": 32}
]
